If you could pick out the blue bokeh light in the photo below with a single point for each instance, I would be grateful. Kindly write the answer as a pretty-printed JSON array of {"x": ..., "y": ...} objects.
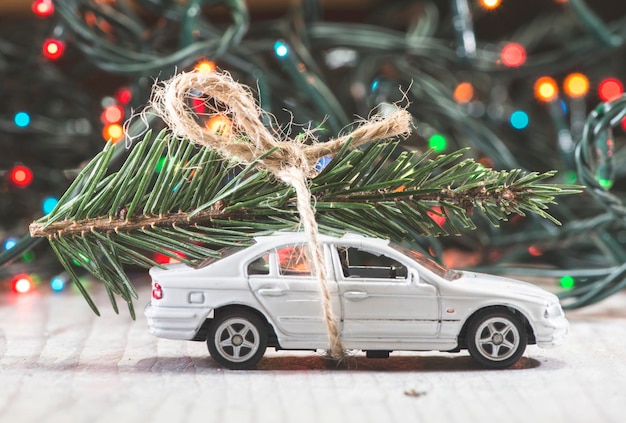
[
  {"x": 22, "y": 119},
  {"x": 323, "y": 162},
  {"x": 281, "y": 49},
  {"x": 57, "y": 283},
  {"x": 519, "y": 119},
  {"x": 48, "y": 204},
  {"x": 10, "y": 243}
]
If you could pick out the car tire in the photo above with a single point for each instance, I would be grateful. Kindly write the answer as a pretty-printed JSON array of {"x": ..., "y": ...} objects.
[
  {"x": 496, "y": 338},
  {"x": 237, "y": 339}
]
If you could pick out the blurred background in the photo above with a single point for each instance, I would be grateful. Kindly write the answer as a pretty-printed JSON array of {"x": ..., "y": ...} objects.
[{"x": 529, "y": 84}]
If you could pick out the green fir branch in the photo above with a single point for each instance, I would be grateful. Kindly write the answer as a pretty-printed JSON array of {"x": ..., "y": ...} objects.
[{"x": 199, "y": 203}]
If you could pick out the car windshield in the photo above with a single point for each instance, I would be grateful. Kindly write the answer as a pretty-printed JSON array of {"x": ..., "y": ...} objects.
[
  {"x": 221, "y": 254},
  {"x": 429, "y": 264}
]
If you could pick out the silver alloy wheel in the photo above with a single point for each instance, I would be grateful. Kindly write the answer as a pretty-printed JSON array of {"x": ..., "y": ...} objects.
[
  {"x": 237, "y": 339},
  {"x": 497, "y": 338}
]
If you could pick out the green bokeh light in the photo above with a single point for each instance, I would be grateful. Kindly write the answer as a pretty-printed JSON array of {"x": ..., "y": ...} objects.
[
  {"x": 570, "y": 177},
  {"x": 567, "y": 282},
  {"x": 437, "y": 142},
  {"x": 605, "y": 183}
]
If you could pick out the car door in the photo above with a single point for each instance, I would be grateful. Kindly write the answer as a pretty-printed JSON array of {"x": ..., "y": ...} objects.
[
  {"x": 291, "y": 295},
  {"x": 379, "y": 299}
]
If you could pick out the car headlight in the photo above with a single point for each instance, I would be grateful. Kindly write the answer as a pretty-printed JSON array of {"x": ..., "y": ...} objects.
[{"x": 553, "y": 310}]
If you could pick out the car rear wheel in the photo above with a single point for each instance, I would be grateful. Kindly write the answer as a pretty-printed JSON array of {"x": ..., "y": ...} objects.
[
  {"x": 496, "y": 338},
  {"x": 237, "y": 339}
]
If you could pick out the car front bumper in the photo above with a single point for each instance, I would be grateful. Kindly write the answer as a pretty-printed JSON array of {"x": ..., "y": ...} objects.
[
  {"x": 175, "y": 323},
  {"x": 552, "y": 332}
]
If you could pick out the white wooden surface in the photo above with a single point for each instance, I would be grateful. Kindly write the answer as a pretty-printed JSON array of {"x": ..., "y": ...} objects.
[{"x": 60, "y": 363}]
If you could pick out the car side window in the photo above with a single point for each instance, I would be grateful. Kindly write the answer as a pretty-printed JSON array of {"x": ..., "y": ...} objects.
[
  {"x": 357, "y": 263},
  {"x": 260, "y": 266},
  {"x": 293, "y": 260}
]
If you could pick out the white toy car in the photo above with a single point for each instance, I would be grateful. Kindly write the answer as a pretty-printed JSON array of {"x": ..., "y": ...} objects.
[{"x": 384, "y": 296}]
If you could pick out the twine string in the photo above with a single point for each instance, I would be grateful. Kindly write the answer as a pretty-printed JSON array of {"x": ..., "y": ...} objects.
[{"x": 247, "y": 140}]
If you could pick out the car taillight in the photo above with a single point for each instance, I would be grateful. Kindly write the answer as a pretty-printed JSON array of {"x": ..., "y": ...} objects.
[{"x": 157, "y": 291}]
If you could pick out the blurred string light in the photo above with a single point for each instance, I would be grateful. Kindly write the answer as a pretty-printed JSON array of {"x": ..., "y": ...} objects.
[
  {"x": 112, "y": 114},
  {"x": 567, "y": 282},
  {"x": 281, "y": 49},
  {"x": 513, "y": 55},
  {"x": 463, "y": 93},
  {"x": 113, "y": 132},
  {"x": 437, "y": 142},
  {"x": 610, "y": 89},
  {"x": 519, "y": 119},
  {"x": 546, "y": 89},
  {"x": 10, "y": 243},
  {"x": 490, "y": 4},
  {"x": 22, "y": 284},
  {"x": 48, "y": 204},
  {"x": 205, "y": 66},
  {"x": 58, "y": 282},
  {"x": 220, "y": 124},
  {"x": 21, "y": 176},
  {"x": 53, "y": 49},
  {"x": 43, "y": 8},
  {"x": 576, "y": 85},
  {"x": 21, "y": 119}
]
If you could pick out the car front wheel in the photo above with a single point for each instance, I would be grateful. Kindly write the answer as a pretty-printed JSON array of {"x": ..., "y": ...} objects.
[
  {"x": 237, "y": 339},
  {"x": 496, "y": 338}
]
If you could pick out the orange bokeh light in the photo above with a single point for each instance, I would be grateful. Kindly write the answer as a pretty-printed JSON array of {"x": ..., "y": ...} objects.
[
  {"x": 576, "y": 85},
  {"x": 463, "y": 93},
  {"x": 546, "y": 89}
]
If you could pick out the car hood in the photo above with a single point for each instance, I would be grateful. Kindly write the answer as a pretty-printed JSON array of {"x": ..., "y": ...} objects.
[{"x": 502, "y": 286}]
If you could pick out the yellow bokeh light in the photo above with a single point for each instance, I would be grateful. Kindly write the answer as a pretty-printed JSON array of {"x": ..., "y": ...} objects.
[
  {"x": 546, "y": 89},
  {"x": 113, "y": 132},
  {"x": 576, "y": 85},
  {"x": 220, "y": 124},
  {"x": 490, "y": 4},
  {"x": 205, "y": 66}
]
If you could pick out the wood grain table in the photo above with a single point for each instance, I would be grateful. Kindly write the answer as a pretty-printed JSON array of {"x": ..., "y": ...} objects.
[{"x": 61, "y": 363}]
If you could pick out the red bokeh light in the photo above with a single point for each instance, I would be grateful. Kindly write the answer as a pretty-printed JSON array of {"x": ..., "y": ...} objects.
[
  {"x": 53, "y": 49},
  {"x": 112, "y": 114},
  {"x": 43, "y": 8},
  {"x": 513, "y": 55},
  {"x": 21, "y": 176},
  {"x": 610, "y": 89}
]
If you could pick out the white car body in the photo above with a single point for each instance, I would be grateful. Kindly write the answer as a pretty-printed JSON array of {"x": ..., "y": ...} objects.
[{"x": 416, "y": 307}]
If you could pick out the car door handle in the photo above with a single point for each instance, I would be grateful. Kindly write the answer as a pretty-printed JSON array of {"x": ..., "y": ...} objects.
[
  {"x": 355, "y": 295},
  {"x": 271, "y": 292}
]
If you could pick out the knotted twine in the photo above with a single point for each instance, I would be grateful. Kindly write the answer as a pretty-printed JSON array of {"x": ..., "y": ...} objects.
[{"x": 248, "y": 141}]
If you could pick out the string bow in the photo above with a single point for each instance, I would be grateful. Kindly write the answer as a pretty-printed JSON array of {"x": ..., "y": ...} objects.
[{"x": 246, "y": 140}]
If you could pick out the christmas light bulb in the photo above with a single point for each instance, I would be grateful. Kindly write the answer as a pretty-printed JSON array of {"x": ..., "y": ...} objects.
[
  {"x": 112, "y": 114},
  {"x": 490, "y": 4},
  {"x": 519, "y": 119},
  {"x": 22, "y": 284},
  {"x": 281, "y": 49},
  {"x": 53, "y": 49},
  {"x": 48, "y": 204},
  {"x": 43, "y": 8},
  {"x": 567, "y": 282},
  {"x": 205, "y": 66},
  {"x": 576, "y": 85},
  {"x": 113, "y": 132},
  {"x": 610, "y": 89},
  {"x": 437, "y": 142},
  {"x": 21, "y": 119},
  {"x": 513, "y": 55},
  {"x": 123, "y": 95},
  {"x": 21, "y": 176},
  {"x": 10, "y": 243},
  {"x": 220, "y": 124},
  {"x": 437, "y": 216},
  {"x": 57, "y": 283},
  {"x": 463, "y": 93},
  {"x": 546, "y": 89}
]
